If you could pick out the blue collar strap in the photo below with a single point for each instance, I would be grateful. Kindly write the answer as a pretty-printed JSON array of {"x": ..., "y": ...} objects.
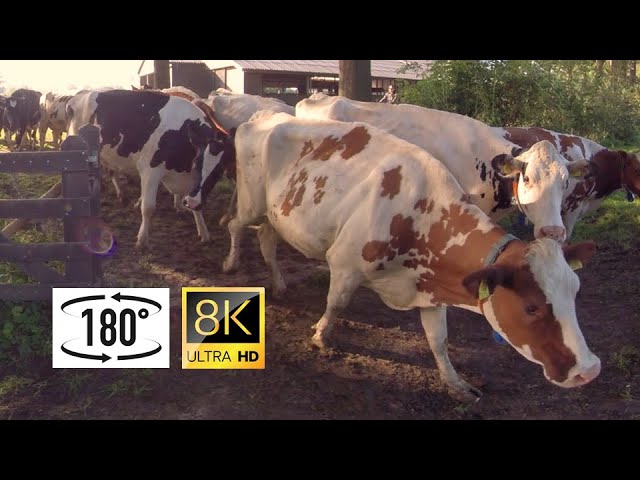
[{"x": 497, "y": 249}]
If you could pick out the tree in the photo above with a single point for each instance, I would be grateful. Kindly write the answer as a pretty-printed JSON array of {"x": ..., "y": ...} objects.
[
  {"x": 161, "y": 77},
  {"x": 355, "y": 79}
]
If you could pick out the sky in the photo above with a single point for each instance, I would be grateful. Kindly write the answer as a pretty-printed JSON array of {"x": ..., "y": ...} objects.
[{"x": 62, "y": 76}]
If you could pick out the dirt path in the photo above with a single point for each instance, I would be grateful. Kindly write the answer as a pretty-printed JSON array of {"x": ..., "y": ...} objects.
[{"x": 381, "y": 368}]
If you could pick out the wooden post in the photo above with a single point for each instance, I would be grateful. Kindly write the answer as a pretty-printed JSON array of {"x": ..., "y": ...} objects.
[
  {"x": 355, "y": 79},
  {"x": 161, "y": 76},
  {"x": 75, "y": 184},
  {"x": 91, "y": 135}
]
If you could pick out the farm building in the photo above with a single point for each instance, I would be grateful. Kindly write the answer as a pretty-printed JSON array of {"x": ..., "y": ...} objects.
[{"x": 290, "y": 80}]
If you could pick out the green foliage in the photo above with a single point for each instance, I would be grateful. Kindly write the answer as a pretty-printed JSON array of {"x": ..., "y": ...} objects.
[
  {"x": 25, "y": 330},
  {"x": 564, "y": 95}
]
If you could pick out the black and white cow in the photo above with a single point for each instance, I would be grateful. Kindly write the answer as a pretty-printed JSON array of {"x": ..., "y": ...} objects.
[
  {"x": 21, "y": 116},
  {"x": 149, "y": 134},
  {"x": 53, "y": 116}
]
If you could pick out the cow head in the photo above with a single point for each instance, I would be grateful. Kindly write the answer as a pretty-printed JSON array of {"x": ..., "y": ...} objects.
[
  {"x": 541, "y": 177},
  {"x": 630, "y": 177},
  {"x": 528, "y": 296},
  {"x": 217, "y": 156}
]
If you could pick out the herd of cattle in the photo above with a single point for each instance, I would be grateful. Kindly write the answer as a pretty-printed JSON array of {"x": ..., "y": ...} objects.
[{"x": 401, "y": 199}]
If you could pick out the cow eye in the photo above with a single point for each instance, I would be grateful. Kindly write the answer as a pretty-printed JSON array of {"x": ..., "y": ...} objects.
[
  {"x": 526, "y": 180},
  {"x": 531, "y": 309}
]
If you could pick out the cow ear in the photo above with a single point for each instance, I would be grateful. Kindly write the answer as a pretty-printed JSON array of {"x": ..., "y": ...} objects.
[
  {"x": 482, "y": 283},
  {"x": 582, "y": 168},
  {"x": 507, "y": 166},
  {"x": 579, "y": 254}
]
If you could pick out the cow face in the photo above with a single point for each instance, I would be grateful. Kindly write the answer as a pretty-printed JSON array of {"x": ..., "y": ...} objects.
[
  {"x": 531, "y": 303},
  {"x": 542, "y": 178},
  {"x": 216, "y": 156}
]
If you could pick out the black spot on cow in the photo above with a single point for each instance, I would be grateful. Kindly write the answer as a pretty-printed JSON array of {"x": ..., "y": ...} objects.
[
  {"x": 483, "y": 172},
  {"x": 176, "y": 151},
  {"x": 502, "y": 192},
  {"x": 516, "y": 150},
  {"x": 482, "y": 195},
  {"x": 127, "y": 119}
]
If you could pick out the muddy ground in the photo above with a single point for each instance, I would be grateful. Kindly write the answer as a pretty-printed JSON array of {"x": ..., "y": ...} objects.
[{"x": 381, "y": 368}]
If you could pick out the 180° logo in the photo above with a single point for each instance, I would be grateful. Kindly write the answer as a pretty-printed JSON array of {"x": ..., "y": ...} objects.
[{"x": 130, "y": 329}]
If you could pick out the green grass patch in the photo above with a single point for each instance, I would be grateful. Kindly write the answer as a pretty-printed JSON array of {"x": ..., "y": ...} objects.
[{"x": 616, "y": 224}]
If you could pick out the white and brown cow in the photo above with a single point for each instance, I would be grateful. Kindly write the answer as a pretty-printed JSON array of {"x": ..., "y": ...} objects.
[
  {"x": 614, "y": 170},
  {"x": 53, "y": 116},
  {"x": 481, "y": 160},
  {"x": 146, "y": 134},
  {"x": 387, "y": 215}
]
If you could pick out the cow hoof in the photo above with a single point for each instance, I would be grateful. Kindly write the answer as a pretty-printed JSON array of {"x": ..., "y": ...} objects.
[
  {"x": 322, "y": 342},
  {"x": 228, "y": 267},
  {"x": 464, "y": 392},
  {"x": 142, "y": 245}
]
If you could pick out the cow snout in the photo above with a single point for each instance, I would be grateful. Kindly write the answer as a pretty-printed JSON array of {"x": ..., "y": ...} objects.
[
  {"x": 554, "y": 232},
  {"x": 585, "y": 375}
]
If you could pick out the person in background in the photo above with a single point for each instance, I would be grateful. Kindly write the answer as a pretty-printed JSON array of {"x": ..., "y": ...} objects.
[{"x": 390, "y": 96}]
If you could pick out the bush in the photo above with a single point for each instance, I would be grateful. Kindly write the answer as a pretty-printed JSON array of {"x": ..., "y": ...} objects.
[
  {"x": 565, "y": 96},
  {"x": 25, "y": 331}
]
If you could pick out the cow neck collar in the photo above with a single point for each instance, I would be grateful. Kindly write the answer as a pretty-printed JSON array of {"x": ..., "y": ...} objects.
[{"x": 489, "y": 259}]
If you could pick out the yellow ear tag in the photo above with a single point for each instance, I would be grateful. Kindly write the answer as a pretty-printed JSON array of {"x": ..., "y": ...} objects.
[
  {"x": 483, "y": 291},
  {"x": 506, "y": 168},
  {"x": 575, "y": 264},
  {"x": 577, "y": 173}
]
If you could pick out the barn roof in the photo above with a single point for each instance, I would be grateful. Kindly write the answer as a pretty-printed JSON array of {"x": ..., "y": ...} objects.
[{"x": 379, "y": 68}]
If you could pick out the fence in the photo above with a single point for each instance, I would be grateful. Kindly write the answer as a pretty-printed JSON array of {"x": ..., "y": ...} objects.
[{"x": 78, "y": 199}]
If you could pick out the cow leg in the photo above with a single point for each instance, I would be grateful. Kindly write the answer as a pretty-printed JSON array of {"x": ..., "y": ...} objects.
[
  {"x": 268, "y": 245},
  {"x": 203, "y": 231},
  {"x": 42, "y": 131},
  {"x": 231, "y": 209},
  {"x": 149, "y": 184},
  {"x": 236, "y": 231},
  {"x": 434, "y": 322},
  {"x": 341, "y": 287},
  {"x": 57, "y": 135}
]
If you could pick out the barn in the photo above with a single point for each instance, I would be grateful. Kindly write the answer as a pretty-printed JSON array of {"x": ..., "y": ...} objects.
[{"x": 289, "y": 80}]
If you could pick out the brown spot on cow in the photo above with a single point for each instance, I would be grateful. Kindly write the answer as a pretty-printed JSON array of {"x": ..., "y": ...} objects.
[
  {"x": 423, "y": 206},
  {"x": 307, "y": 148},
  {"x": 351, "y": 144},
  {"x": 319, "y": 193},
  {"x": 581, "y": 191},
  {"x": 355, "y": 141},
  {"x": 391, "y": 182},
  {"x": 568, "y": 141},
  {"x": 295, "y": 194},
  {"x": 374, "y": 250},
  {"x": 526, "y": 137}
]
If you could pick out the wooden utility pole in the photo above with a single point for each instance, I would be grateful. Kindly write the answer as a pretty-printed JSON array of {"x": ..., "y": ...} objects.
[
  {"x": 161, "y": 77},
  {"x": 355, "y": 79}
]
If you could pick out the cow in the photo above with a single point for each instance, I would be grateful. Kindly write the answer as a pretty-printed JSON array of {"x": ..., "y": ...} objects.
[
  {"x": 612, "y": 170},
  {"x": 230, "y": 111},
  {"x": 21, "y": 116},
  {"x": 498, "y": 175},
  {"x": 387, "y": 215},
  {"x": 53, "y": 116},
  {"x": 148, "y": 134}
]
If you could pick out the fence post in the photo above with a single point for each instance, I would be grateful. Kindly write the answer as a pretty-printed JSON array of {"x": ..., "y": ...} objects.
[
  {"x": 91, "y": 135},
  {"x": 76, "y": 184}
]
